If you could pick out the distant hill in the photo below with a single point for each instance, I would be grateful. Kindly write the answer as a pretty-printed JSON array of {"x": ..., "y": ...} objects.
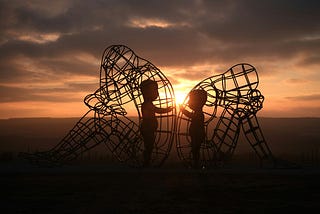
[{"x": 285, "y": 136}]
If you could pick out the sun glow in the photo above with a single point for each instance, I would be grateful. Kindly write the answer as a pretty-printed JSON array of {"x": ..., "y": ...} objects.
[{"x": 180, "y": 97}]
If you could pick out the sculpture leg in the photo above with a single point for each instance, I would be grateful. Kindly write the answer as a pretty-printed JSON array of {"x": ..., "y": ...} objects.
[
  {"x": 148, "y": 139},
  {"x": 80, "y": 139},
  {"x": 121, "y": 136},
  {"x": 195, "y": 149},
  {"x": 256, "y": 139},
  {"x": 124, "y": 140},
  {"x": 226, "y": 134}
]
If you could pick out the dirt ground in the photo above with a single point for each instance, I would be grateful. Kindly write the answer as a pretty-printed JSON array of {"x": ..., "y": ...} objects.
[{"x": 105, "y": 189}]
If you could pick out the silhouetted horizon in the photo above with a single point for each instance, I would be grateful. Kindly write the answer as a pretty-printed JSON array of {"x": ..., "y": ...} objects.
[
  {"x": 48, "y": 117},
  {"x": 286, "y": 136}
]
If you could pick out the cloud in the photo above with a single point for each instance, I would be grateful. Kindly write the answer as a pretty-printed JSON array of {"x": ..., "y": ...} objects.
[
  {"x": 200, "y": 30},
  {"x": 52, "y": 42},
  {"x": 297, "y": 81},
  {"x": 311, "y": 60},
  {"x": 73, "y": 92},
  {"x": 13, "y": 94},
  {"x": 268, "y": 21},
  {"x": 309, "y": 97},
  {"x": 304, "y": 111}
]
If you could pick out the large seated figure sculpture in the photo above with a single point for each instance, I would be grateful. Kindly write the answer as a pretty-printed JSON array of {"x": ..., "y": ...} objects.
[
  {"x": 232, "y": 102},
  {"x": 114, "y": 117}
]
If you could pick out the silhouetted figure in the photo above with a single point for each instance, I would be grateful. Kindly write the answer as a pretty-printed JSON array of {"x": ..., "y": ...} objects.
[
  {"x": 149, "y": 125},
  {"x": 106, "y": 122},
  {"x": 233, "y": 101},
  {"x": 197, "y": 99}
]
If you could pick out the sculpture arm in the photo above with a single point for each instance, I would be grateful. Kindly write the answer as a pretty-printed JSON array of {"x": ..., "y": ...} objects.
[
  {"x": 163, "y": 110},
  {"x": 186, "y": 112},
  {"x": 94, "y": 101}
]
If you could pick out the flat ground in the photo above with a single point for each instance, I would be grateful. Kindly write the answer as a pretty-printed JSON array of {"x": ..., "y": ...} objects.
[
  {"x": 116, "y": 189},
  {"x": 110, "y": 188}
]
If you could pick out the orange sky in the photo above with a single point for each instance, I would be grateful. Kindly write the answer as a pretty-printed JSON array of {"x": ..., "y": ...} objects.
[{"x": 50, "y": 51}]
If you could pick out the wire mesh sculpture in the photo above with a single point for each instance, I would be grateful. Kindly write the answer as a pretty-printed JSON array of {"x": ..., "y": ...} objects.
[
  {"x": 121, "y": 74},
  {"x": 232, "y": 102}
]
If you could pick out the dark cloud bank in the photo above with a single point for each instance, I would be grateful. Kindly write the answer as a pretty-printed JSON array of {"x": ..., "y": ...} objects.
[{"x": 52, "y": 34}]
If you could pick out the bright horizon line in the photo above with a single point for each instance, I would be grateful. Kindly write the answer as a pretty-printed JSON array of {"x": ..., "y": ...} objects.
[{"x": 45, "y": 117}]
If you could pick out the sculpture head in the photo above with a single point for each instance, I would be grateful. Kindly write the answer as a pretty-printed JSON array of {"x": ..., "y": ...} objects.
[
  {"x": 197, "y": 99},
  {"x": 149, "y": 89},
  {"x": 255, "y": 100}
]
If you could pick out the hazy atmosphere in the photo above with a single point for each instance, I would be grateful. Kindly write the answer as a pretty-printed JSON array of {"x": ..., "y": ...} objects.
[{"x": 51, "y": 50}]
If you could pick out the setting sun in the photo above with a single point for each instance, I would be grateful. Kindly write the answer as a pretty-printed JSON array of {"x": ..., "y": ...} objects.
[{"x": 180, "y": 97}]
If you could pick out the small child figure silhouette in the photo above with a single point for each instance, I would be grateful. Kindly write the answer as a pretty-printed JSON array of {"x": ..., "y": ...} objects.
[
  {"x": 149, "y": 125},
  {"x": 197, "y": 99}
]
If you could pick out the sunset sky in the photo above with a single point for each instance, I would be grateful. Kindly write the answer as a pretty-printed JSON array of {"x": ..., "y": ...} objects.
[{"x": 51, "y": 50}]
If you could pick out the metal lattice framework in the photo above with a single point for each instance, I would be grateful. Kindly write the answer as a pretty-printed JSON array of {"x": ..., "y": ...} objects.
[
  {"x": 232, "y": 102},
  {"x": 121, "y": 74}
]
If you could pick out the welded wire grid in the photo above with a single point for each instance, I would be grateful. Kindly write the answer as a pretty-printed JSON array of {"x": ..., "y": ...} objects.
[
  {"x": 108, "y": 121},
  {"x": 233, "y": 101}
]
